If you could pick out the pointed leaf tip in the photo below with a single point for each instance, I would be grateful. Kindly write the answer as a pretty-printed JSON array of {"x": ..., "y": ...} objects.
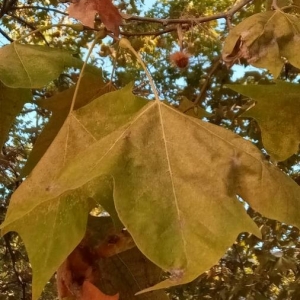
[
  {"x": 163, "y": 164},
  {"x": 280, "y": 131}
]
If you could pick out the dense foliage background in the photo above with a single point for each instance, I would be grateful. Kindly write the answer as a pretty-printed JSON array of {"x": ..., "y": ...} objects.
[{"x": 251, "y": 268}]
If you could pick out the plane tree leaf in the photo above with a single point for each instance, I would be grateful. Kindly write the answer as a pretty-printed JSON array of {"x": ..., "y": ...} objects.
[
  {"x": 91, "y": 87},
  {"x": 163, "y": 164},
  {"x": 11, "y": 103},
  {"x": 32, "y": 66},
  {"x": 277, "y": 113},
  {"x": 39, "y": 203},
  {"x": 263, "y": 39}
]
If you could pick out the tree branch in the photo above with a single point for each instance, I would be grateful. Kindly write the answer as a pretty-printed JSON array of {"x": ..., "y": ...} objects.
[
  {"x": 29, "y": 26},
  {"x": 201, "y": 96},
  {"x": 209, "y": 76},
  {"x": 13, "y": 259},
  {"x": 191, "y": 21},
  {"x": 6, "y": 35},
  {"x": 155, "y": 33},
  {"x": 39, "y": 7}
]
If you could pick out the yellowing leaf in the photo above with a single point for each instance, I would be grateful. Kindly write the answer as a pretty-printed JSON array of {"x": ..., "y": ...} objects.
[
  {"x": 31, "y": 66},
  {"x": 277, "y": 113},
  {"x": 175, "y": 184},
  {"x": 85, "y": 11},
  {"x": 48, "y": 228},
  {"x": 91, "y": 87},
  {"x": 263, "y": 39},
  {"x": 11, "y": 103}
]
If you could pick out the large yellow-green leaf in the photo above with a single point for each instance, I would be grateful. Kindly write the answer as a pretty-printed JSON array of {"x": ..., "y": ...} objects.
[
  {"x": 39, "y": 210},
  {"x": 175, "y": 182},
  {"x": 32, "y": 66},
  {"x": 11, "y": 103},
  {"x": 91, "y": 87},
  {"x": 277, "y": 113},
  {"x": 263, "y": 39}
]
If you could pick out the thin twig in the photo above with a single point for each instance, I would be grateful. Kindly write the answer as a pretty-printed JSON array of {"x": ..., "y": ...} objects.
[
  {"x": 275, "y": 5},
  {"x": 39, "y": 7},
  {"x": 209, "y": 76},
  {"x": 29, "y": 26},
  {"x": 6, "y": 35},
  {"x": 81, "y": 75},
  {"x": 42, "y": 29},
  {"x": 124, "y": 43},
  {"x": 114, "y": 64},
  {"x": 239, "y": 258},
  {"x": 13, "y": 260},
  {"x": 155, "y": 33},
  {"x": 205, "y": 86}
]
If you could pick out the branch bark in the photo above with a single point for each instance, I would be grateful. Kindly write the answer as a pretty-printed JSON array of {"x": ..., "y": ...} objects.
[{"x": 191, "y": 21}]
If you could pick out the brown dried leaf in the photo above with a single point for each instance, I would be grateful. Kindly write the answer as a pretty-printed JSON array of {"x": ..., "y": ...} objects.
[
  {"x": 90, "y": 292},
  {"x": 263, "y": 40},
  {"x": 85, "y": 11},
  {"x": 77, "y": 268},
  {"x": 115, "y": 244},
  {"x": 76, "y": 275}
]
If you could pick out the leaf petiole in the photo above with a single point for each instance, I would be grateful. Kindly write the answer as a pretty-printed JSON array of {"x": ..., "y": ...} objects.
[{"x": 124, "y": 43}]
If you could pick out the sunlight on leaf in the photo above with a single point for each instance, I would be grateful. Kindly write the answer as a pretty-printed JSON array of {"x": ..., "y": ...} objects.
[
  {"x": 163, "y": 165},
  {"x": 31, "y": 66},
  {"x": 91, "y": 87}
]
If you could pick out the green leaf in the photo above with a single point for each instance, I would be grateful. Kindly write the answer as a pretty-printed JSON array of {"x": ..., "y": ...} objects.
[
  {"x": 91, "y": 87},
  {"x": 31, "y": 66},
  {"x": 277, "y": 113},
  {"x": 39, "y": 211},
  {"x": 263, "y": 39},
  {"x": 11, "y": 103},
  {"x": 175, "y": 182}
]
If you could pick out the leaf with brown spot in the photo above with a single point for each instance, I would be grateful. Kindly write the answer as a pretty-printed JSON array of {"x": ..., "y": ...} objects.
[
  {"x": 85, "y": 11},
  {"x": 263, "y": 39}
]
